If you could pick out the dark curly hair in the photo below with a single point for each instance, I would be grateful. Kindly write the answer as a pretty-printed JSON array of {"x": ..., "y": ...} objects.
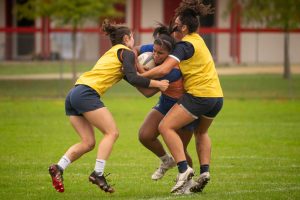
[
  {"x": 189, "y": 12},
  {"x": 115, "y": 32}
]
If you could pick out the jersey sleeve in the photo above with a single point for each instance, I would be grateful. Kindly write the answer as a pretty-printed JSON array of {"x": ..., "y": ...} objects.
[
  {"x": 146, "y": 48},
  {"x": 173, "y": 76},
  {"x": 128, "y": 60},
  {"x": 182, "y": 51}
]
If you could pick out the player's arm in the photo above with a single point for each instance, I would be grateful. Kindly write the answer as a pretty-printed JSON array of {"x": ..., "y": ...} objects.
[
  {"x": 182, "y": 51},
  {"x": 128, "y": 61},
  {"x": 147, "y": 92},
  {"x": 162, "y": 69}
]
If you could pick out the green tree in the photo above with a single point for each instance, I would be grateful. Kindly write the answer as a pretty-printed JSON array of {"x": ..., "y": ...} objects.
[
  {"x": 66, "y": 12},
  {"x": 275, "y": 14}
]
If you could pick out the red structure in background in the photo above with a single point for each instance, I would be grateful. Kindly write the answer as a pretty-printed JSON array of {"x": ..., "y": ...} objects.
[
  {"x": 235, "y": 33},
  {"x": 8, "y": 23},
  {"x": 46, "y": 48},
  {"x": 234, "y": 30},
  {"x": 169, "y": 10}
]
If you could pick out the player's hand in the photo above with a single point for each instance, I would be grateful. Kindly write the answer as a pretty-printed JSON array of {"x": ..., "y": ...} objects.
[{"x": 164, "y": 84}]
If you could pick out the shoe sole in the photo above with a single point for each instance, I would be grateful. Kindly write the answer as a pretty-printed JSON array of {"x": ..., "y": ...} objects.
[
  {"x": 58, "y": 185},
  {"x": 199, "y": 187},
  {"x": 93, "y": 181}
]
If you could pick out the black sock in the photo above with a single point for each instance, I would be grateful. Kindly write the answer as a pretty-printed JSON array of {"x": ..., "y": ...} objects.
[
  {"x": 182, "y": 166},
  {"x": 204, "y": 168}
]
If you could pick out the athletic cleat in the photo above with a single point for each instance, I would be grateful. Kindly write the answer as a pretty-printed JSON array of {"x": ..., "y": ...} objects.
[
  {"x": 100, "y": 181},
  {"x": 182, "y": 179},
  {"x": 186, "y": 189},
  {"x": 57, "y": 178},
  {"x": 201, "y": 182},
  {"x": 163, "y": 168}
]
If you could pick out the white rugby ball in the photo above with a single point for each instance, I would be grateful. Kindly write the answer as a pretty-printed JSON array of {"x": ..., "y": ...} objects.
[{"x": 146, "y": 59}]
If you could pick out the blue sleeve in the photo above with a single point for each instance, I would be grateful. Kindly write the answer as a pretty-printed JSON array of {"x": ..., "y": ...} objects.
[
  {"x": 173, "y": 76},
  {"x": 183, "y": 50},
  {"x": 146, "y": 48}
]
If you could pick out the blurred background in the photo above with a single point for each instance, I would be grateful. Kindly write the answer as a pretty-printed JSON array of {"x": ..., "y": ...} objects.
[
  {"x": 230, "y": 40},
  {"x": 58, "y": 40},
  {"x": 46, "y": 44}
]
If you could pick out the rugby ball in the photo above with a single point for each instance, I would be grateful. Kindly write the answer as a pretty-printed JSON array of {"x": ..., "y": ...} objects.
[{"x": 146, "y": 59}]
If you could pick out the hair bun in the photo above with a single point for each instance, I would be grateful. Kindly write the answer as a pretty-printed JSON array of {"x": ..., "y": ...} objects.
[{"x": 107, "y": 27}]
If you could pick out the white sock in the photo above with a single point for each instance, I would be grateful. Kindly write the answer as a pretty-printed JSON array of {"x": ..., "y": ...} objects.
[
  {"x": 99, "y": 167},
  {"x": 64, "y": 162},
  {"x": 165, "y": 158}
]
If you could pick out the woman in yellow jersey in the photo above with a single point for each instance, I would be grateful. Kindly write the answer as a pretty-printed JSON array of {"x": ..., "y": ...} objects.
[
  {"x": 86, "y": 110},
  {"x": 202, "y": 100}
]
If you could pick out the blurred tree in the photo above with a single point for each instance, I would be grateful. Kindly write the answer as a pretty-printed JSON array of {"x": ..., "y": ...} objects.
[
  {"x": 66, "y": 12},
  {"x": 272, "y": 13}
]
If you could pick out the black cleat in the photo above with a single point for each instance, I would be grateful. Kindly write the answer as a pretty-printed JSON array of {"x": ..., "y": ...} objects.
[{"x": 101, "y": 182}]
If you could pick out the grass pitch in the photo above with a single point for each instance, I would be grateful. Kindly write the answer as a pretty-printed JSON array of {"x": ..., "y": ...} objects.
[{"x": 255, "y": 139}]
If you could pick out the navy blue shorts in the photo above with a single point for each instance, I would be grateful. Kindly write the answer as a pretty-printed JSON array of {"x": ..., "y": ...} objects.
[
  {"x": 201, "y": 106},
  {"x": 82, "y": 99},
  {"x": 165, "y": 103}
]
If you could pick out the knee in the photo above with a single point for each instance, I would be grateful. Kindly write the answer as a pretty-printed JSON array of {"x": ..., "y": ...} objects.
[
  {"x": 144, "y": 136},
  {"x": 162, "y": 128},
  {"x": 89, "y": 145},
  {"x": 114, "y": 135}
]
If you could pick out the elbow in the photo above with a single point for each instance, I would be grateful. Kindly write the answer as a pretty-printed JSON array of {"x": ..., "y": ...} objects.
[
  {"x": 148, "y": 95},
  {"x": 131, "y": 80}
]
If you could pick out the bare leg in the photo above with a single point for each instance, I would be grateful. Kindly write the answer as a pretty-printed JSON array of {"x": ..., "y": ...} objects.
[
  {"x": 86, "y": 133},
  {"x": 103, "y": 120},
  {"x": 185, "y": 137},
  {"x": 148, "y": 133},
  {"x": 203, "y": 143},
  {"x": 176, "y": 118}
]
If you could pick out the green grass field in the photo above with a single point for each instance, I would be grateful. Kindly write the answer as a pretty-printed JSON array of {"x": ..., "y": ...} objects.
[{"x": 255, "y": 138}]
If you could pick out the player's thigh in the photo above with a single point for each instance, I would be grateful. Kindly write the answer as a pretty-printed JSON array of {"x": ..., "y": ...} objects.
[
  {"x": 102, "y": 119},
  {"x": 177, "y": 117},
  {"x": 204, "y": 124},
  {"x": 83, "y": 128}
]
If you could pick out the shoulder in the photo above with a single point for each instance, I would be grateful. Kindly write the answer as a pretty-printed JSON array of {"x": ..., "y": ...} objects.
[
  {"x": 146, "y": 48},
  {"x": 184, "y": 45},
  {"x": 125, "y": 54},
  {"x": 183, "y": 50}
]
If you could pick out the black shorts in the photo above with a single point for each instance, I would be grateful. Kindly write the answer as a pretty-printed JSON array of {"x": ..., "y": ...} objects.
[
  {"x": 82, "y": 99},
  {"x": 201, "y": 106}
]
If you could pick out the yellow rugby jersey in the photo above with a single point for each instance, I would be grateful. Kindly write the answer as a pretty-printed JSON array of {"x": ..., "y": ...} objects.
[
  {"x": 199, "y": 73},
  {"x": 105, "y": 73}
]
